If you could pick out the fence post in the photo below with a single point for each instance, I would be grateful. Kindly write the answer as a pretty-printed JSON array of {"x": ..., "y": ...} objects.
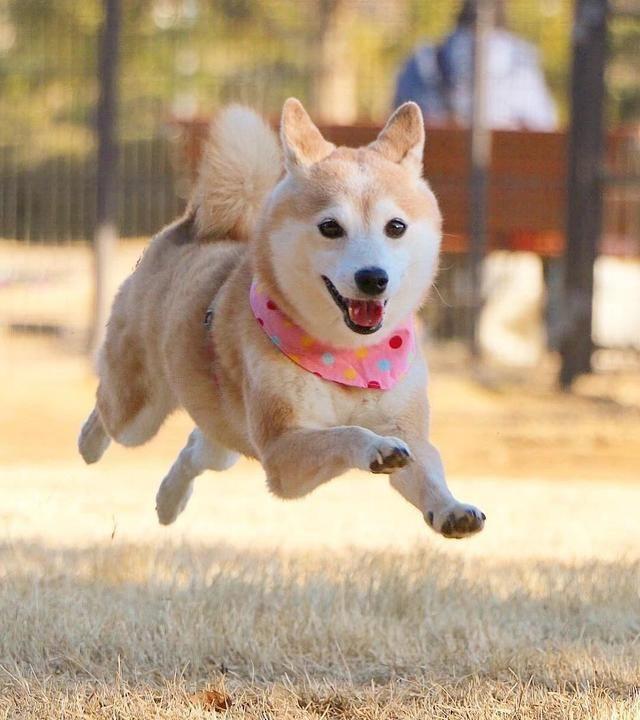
[
  {"x": 105, "y": 234},
  {"x": 480, "y": 163},
  {"x": 585, "y": 180}
]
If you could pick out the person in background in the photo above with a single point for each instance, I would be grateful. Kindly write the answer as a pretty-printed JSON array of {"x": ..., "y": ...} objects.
[{"x": 439, "y": 78}]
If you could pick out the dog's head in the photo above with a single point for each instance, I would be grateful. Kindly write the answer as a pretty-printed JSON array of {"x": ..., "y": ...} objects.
[{"x": 349, "y": 238}]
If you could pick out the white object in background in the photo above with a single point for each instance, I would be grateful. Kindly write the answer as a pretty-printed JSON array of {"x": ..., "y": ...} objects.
[
  {"x": 616, "y": 303},
  {"x": 511, "y": 328}
]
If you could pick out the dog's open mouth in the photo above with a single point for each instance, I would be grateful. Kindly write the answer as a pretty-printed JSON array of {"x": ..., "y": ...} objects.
[{"x": 361, "y": 316}]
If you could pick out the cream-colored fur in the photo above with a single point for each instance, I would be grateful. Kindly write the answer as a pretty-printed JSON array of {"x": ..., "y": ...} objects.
[
  {"x": 241, "y": 163},
  {"x": 252, "y": 218}
]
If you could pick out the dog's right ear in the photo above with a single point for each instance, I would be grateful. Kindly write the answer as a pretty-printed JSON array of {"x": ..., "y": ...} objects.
[{"x": 302, "y": 142}]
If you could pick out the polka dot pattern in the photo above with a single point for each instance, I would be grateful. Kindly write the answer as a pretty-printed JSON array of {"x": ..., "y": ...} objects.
[{"x": 375, "y": 367}]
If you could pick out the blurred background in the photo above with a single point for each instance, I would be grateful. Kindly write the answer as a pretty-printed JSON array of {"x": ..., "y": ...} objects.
[
  {"x": 533, "y": 149},
  {"x": 173, "y": 62},
  {"x": 532, "y": 332}
]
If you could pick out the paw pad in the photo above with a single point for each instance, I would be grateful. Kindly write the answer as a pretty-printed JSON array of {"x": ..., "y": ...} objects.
[
  {"x": 459, "y": 522},
  {"x": 397, "y": 458}
]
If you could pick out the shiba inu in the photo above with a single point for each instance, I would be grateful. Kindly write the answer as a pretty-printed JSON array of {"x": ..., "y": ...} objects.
[{"x": 278, "y": 312}]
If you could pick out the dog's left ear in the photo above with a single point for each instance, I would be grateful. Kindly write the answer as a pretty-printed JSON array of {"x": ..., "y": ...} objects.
[
  {"x": 402, "y": 138},
  {"x": 302, "y": 142}
]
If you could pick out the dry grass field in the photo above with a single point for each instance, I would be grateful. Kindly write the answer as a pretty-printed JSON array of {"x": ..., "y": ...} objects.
[{"x": 342, "y": 605}]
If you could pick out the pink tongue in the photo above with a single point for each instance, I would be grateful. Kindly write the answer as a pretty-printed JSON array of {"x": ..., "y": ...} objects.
[{"x": 366, "y": 313}]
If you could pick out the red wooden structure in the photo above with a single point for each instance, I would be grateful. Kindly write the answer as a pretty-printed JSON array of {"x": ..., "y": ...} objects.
[{"x": 527, "y": 187}]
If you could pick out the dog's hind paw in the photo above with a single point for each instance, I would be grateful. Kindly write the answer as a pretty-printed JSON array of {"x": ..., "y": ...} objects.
[
  {"x": 390, "y": 454},
  {"x": 457, "y": 521},
  {"x": 93, "y": 440},
  {"x": 172, "y": 499}
]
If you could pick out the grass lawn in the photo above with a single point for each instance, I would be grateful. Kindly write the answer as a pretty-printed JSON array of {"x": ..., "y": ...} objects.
[{"x": 342, "y": 605}]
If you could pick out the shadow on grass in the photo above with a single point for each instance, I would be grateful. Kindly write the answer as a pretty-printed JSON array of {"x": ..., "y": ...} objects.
[{"x": 151, "y": 615}]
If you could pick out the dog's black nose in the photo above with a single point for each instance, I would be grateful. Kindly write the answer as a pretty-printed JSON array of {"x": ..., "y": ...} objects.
[{"x": 372, "y": 280}]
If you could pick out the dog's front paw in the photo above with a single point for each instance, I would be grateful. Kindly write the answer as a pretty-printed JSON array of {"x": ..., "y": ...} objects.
[
  {"x": 457, "y": 521},
  {"x": 388, "y": 455}
]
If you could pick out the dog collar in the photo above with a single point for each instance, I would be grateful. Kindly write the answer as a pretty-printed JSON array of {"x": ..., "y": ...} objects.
[{"x": 378, "y": 366}]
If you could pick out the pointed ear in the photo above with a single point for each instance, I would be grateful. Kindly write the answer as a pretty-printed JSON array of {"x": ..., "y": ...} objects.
[
  {"x": 402, "y": 138},
  {"x": 302, "y": 142}
]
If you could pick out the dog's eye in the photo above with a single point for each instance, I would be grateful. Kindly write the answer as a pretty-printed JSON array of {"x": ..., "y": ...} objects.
[
  {"x": 395, "y": 228},
  {"x": 331, "y": 229}
]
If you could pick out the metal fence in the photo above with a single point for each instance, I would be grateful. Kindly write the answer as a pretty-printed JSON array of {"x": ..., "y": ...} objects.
[{"x": 180, "y": 59}]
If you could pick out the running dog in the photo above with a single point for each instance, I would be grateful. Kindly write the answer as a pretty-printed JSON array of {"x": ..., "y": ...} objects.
[{"x": 279, "y": 313}]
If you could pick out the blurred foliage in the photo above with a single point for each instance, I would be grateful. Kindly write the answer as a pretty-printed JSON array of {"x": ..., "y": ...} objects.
[
  {"x": 184, "y": 57},
  {"x": 623, "y": 84}
]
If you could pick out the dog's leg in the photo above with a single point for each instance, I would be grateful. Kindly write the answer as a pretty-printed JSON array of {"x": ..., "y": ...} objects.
[
  {"x": 299, "y": 460},
  {"x": 423, "y": 484},
  {"x": 198, "y": 455},
  {"x": 141, "y": 427},
  {"x": 93, "y": 440}
]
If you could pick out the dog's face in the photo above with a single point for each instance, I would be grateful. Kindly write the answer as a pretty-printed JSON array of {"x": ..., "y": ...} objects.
[{"x": 350, "y": 238}]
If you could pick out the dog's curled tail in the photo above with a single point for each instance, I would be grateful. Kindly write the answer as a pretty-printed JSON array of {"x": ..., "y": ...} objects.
[{"x": 240, "y": 165}]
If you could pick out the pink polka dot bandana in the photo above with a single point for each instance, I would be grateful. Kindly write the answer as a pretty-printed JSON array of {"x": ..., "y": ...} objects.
[{"x": 378, "y": 366}]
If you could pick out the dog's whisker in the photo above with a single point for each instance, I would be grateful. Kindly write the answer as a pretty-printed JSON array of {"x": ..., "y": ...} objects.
[{"x": 439, "y": 294}]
